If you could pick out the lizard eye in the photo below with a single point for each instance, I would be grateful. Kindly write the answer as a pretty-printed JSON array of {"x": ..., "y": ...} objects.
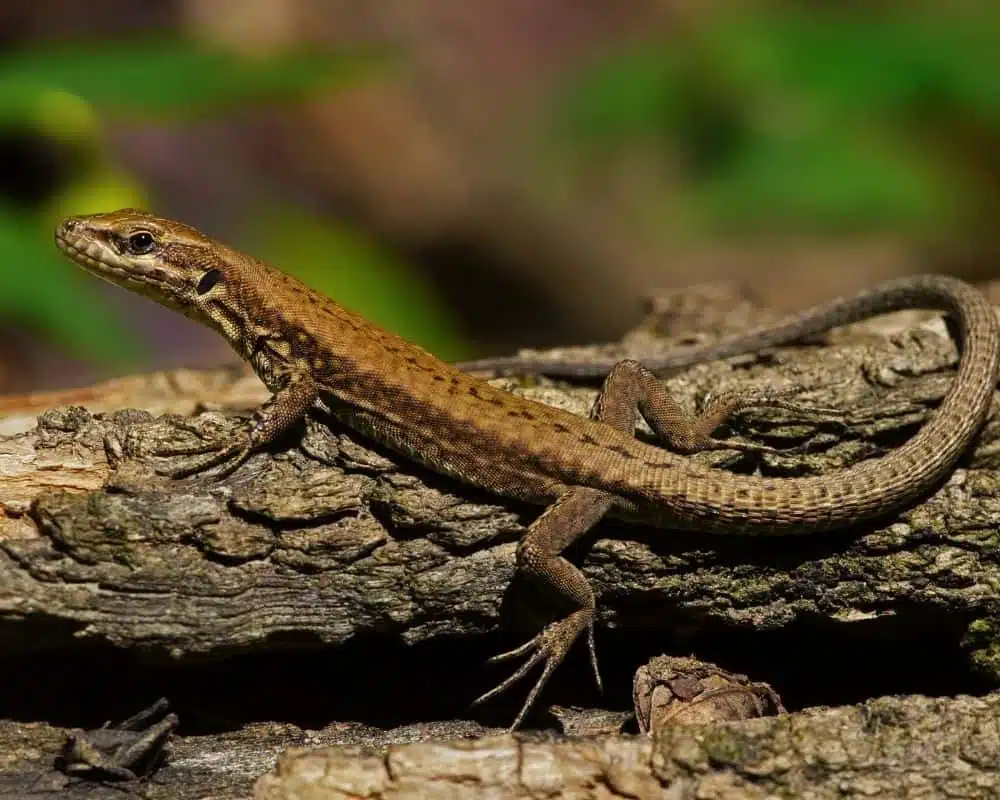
[{"x": 140, "y": 243}]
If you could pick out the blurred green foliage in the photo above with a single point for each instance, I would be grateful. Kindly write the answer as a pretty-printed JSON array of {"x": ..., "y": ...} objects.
[
  {"x": 366, "y": 278},
  {"x": 170, "y": 78},
  {"x": 61, "y": 92},
  {"x": 782, "y": 117},
  {"x": 829, "y": 119},
  {"x": 39, "y": 292}
]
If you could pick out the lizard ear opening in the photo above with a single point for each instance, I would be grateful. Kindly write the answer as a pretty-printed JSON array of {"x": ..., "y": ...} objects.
[{"x": 208, "y": 280}]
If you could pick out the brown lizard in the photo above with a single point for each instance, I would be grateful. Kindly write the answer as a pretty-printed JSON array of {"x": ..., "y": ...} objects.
[{"x": 308, "y": 350}]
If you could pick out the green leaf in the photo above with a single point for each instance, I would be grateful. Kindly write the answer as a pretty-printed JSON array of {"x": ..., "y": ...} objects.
[
  {"x": 41, "y": 289},
  {"x": 633, "y": 94},
  {"x": 865, "y": 63},
  {"x": 836, "y": 181},
  {"x": 353, "y": 270},
  {"x": 166, "y": 77},
  {"x": 790, "y": 118}
]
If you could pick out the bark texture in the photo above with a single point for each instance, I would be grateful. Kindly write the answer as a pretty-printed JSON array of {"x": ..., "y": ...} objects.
[{"x": 374, "y": 589}]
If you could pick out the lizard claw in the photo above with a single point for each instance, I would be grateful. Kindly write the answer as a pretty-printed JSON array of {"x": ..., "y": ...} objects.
[
  {"x": 550, "y": 646},
  {"x": 229, "y": 455},
  {"x": 741, "y": 447}
]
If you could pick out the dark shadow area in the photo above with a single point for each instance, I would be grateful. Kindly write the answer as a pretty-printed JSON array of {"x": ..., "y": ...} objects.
[
  {"x": 814, "y": 662},
  {"x": 382, "y": 682}
]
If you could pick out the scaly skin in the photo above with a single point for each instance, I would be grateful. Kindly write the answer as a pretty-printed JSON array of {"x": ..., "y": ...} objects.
[{"x": 306, "y": 348}]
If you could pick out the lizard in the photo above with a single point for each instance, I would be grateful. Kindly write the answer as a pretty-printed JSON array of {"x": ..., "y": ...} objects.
[{"x": 311, "y": 351}]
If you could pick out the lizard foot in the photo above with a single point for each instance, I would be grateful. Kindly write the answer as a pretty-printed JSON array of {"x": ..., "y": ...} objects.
[
  {"x": 230, "y": 454},
  {"x": 550, "y": 646},
  {"x": 738, "y": 445},
  {"x": 721, "y": 406}
]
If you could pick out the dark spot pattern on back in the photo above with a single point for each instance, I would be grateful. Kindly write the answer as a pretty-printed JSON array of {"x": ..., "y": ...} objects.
[{"x": 620, "y": 450}]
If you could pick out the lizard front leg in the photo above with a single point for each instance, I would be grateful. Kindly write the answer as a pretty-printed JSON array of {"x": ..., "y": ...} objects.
[{"x": 285, "y": 407}]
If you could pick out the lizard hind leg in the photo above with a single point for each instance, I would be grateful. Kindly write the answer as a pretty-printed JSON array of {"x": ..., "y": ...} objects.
[
  {"x": 576, "y": 511},
  {"x": 719, "y": 408},
  {"x": 573, "y": 514},
  {"x": 630, "y": 388}
]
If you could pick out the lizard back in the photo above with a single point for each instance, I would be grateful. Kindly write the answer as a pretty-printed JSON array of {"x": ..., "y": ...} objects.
[{"x": 412, "y": 402}]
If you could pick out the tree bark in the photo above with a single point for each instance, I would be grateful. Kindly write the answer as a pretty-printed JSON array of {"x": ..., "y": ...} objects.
[{"x": 328, "y": 548}]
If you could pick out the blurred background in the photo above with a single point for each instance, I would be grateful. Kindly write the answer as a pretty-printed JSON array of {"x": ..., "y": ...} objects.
[{"x": 482, "y": 176}]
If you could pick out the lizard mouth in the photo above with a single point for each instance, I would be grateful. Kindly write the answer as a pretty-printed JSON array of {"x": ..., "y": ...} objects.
[
  {"x": 88, "y": 254},
  {"x": 98, "y": 259}
]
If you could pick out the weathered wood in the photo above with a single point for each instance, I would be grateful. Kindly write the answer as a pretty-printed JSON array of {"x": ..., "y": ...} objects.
[
  {"x": 330, "y": 538},
  {"x": 325, "y": 540},
  {"x": 893, "y": 747}
]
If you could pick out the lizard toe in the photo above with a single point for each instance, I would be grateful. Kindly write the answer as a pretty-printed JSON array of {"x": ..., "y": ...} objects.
[{"x": 550, "y": 646}]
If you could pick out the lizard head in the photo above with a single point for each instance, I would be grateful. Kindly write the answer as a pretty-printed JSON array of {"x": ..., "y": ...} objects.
[{"x": 167, "y": 261}]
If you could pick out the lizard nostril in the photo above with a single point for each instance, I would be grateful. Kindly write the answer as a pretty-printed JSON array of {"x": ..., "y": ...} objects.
[{"x": 69, "y": 224}]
